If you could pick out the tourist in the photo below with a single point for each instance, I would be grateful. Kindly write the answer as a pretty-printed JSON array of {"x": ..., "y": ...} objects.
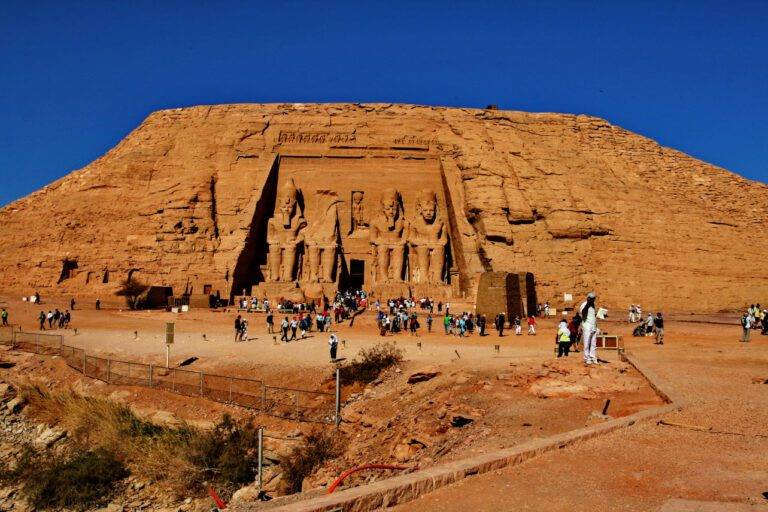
[
  {"x": 659, "y": 325},
  {"x": 546, "y": 309},
  {"x": 98, "y": 304},
  {"x": 327, "y": 321},
  {"x": 72, "y": 304},
  {"x": 270, "y": 322},
  {"x": 42, "y": 320},
  {"x": 440, "y": 307},
  {"x": 574, "y": 326},
  {"x": 63, "y": 319},
  {"x": 294, "y": 326},
  {"x": 518, "y": 326},
  {"x": 37, "y": 298},
  {"x": 320, "y": 321},
  {"x": 649, "y": 324},
  {"x": 588, "y": 311},
  {"x": 499, "y": 323},
  {"x": 746, "y": 324},
  {"x": 284, "y": 329},
  {"x": 446, "y": 321},
  {"x": 238, "y": 327},
  {"x": 429, "y": 322},
  {"x": 244, "y": 330},
  {"x": 462, "y": 326},
  {"x": 49, "y": 317},
  {"x": 4, "y": 316},
  {"x": 333, "y": 344},
  {"x": 531, "y": 325},
  {"x": 563, "y": 339},
  {"x": 481, "y": 324},
  {"x": 67, "y": 319},
  {"x": 414, "y": 324}
]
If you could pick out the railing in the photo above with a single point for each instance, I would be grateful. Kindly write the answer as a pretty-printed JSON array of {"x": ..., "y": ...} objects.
[{"x": 288, "y": 403}]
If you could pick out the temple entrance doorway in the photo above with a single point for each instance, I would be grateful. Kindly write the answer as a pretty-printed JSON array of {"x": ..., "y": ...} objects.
[{"x": 356, "y": 274}]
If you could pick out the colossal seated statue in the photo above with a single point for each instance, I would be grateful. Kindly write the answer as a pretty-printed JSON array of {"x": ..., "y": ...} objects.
[
  {"x": 285, "y": 234},
  {"x": 322, "y": 239},
  {"x": 427, "y": 237},
  {"x": 388, "y": 230}
]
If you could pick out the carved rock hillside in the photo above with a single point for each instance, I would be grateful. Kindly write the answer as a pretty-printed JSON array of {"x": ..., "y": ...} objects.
[{"x": 580, "y": 203}]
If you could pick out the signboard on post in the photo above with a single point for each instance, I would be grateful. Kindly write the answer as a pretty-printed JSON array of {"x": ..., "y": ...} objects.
[{"x": 169, "y": 330}]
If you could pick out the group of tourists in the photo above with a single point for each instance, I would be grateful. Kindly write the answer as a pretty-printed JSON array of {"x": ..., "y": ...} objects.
[
  {"x": 55, "y": 319},
  {"x": 650, "y": 326},
  {"x": 755, "y": 317}
]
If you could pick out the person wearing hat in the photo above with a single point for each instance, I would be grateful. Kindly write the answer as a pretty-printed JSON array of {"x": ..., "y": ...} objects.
[{"x": 588, "y": 311}]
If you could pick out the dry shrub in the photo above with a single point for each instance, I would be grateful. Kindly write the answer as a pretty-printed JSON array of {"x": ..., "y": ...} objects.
[
  {"x": 369, "y": 363},
  {"x": 181, "y": 457},
  {"x": 71, "y": 480},
  {"x": 317, "y": 447}
]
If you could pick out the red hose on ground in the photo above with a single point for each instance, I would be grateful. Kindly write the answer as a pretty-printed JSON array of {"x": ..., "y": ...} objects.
[
  {"x": 219, "y": 502},
  {"x": 348, "y": 472}
]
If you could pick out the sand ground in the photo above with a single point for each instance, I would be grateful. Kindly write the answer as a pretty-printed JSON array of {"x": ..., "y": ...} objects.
[{"x": 635, "y": 469}]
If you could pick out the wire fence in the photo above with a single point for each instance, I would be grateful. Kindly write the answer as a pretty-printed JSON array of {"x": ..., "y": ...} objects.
[{"x": 288, "y": 403}]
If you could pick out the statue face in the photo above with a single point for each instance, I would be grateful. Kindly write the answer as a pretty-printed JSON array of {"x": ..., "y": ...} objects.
[
  {"x": 428, "y": 209},
  {"x": 389, "y": 207},
  {"x": 357, "y": 197},
  {"x": 286, "y": 207}
]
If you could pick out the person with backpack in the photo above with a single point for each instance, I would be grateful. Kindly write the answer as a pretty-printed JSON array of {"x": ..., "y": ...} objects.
[
  {"x": 270, "y": 322},
  {"x": 333, "y": 345},
  {"x": 563, "y": 339},
  {"x": 588, "y": 312},
  {"x": 4, "y": 316},
  {"x": 42, "y": 320},
  {"x": 501, "y": 320},
  {"x": 574, "y": 326},
  {"x": 238, "y": 327}
]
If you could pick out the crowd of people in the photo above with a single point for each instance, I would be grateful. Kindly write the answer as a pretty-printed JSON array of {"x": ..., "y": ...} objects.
[
  {"x": 650, "y": 326},
  {"x": 755, "y": 317},
  {"x": 55, "y": 319}
]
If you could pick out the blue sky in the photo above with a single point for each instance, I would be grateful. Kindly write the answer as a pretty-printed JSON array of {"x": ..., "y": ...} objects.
[{"x": 76, "y": 77}]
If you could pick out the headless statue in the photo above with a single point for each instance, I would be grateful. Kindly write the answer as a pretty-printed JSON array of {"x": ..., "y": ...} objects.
[
  {"x": 322, "y": 239},
  {"x": 284, "y": 235}
]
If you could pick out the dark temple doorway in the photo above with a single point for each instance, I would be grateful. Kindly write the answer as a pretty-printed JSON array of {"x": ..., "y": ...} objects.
[{"x": 356, "y": 274}]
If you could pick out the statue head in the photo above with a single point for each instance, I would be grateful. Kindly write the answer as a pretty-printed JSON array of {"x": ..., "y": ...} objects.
[
  {"x": 426, "y": 205},
  {"x": 286, "y": 203},
  {"x": 390, "y": 206},
  {"x": 357, "y": 197}
]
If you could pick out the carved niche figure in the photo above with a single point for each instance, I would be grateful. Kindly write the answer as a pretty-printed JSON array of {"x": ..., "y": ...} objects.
[
  {"x": 427, "y": 237},
  {"x": 322, "y": 239},
  {"x": 358, "y": 212},
  {"x": 388, "y": 230},
  {"x": 284, "y": 234}
]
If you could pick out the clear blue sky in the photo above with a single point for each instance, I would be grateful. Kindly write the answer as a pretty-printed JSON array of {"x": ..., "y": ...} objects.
[{"x": 76, "y": 77}]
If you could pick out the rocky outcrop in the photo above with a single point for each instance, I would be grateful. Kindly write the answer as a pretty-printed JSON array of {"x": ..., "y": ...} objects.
[{"x": 580, "y": 203}]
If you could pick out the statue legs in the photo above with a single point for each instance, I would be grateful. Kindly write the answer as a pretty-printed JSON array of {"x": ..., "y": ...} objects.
[
  {"x": 422, "y": 265},
  {"x": 329, "y": 264},
  {"x": 274, "y": 262},
  {"x": 437, "y": 264},
  {"x": 382, "y": 264},
  {"x": 289, "y": 262},
  {"x": 398, "y": 253},
  {"x": 314, "y": 263}
]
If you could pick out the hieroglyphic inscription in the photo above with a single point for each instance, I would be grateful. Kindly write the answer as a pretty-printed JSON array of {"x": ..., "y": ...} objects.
[
  {"x": 315, "y": 138},
  {"x": 414, "y": 140}
]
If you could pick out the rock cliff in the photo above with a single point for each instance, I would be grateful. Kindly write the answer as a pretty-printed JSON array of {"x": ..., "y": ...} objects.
[{"x": 580, "y": 203}]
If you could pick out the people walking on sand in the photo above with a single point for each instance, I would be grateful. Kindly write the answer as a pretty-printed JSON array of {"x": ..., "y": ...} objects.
[
  {"x": 42, "y": 320},
  {"x": 270, "y": 322},
  {"x": 518, "y": 326},
  {"x": 531, "y": 325},
  {"x": 333, "y": 344},
  {"x": 284, "y": 329},
  {"x": 546, "y": 309},
  {"x": 563, "y": 339},
  {"x": 499, "y": 323},
  {"x": 446, "y": 321},
  {"x": 72, "y": 304},
  {"x": 49, "y": 317},
  {"x": 294, "y": 326},
  {"x": 4, "y": 316},
  {"x": 746, "y": 325},
  {"x": 238, "y": 327},
  {"x": 574, "y": 326},
  {"x": 37, "y": 298},
  {"x": 481, "y": 324},
  {"x": 244, "y": 330},
  {"x": 429, "y": 322},
  {"x": 649, "y": 324},
  {"x": 98, "y": 304},
  {"x": 588, "y": 312},
  {"x": 659, "y": 325}
]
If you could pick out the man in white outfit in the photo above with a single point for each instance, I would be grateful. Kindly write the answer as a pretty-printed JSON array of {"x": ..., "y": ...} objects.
[{"x": 588, "y": 312}]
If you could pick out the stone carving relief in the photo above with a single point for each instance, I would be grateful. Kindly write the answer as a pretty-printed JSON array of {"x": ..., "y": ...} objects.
[
  {"x": 322, "y": 239},
  {"x": 285, "y": 234},
  {"x": 388, "y": 239},
  {"x": 427, "y": 238},
  {"x": 358, "y": 222}
]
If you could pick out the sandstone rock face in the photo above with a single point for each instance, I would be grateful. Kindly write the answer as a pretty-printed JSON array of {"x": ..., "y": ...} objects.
[{"x": 185, "y": 199}]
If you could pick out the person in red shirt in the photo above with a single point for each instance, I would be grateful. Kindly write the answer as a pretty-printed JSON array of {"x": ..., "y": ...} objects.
[{"x": 531, "y": 325}]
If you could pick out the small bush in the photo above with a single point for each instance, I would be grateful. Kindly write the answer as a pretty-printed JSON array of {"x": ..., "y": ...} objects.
[
  {"x": 369, "y": 363},
  {"x": 132, "y": 289},
  {"x": 317, "y": 447},
  {"x": 78, "y": 481}
]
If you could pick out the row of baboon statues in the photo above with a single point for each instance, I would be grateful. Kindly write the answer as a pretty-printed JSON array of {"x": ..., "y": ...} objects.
[{"x": 423, "y": 239}]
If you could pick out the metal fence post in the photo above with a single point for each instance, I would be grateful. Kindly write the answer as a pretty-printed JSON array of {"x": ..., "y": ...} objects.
[
  {"x": 201, "y": 384},
  {"x": 337, "y": 409},
  {"x": 150, "y": 375},
  {"x": 297, "y": 404},
  {"x": 85, "y": 370},
  {"x": 230, "y": 389},
  {"x": 109, "y": 370},
  {"x": 261, "y": 456}
]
